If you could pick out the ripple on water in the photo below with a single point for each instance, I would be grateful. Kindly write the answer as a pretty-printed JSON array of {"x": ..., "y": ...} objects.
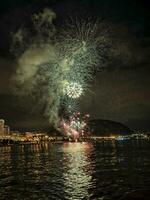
[{"x": 74, "y": 171}]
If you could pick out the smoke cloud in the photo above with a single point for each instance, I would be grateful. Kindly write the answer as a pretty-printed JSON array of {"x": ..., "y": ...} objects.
[
  {"x": 35, "y": 59},
  {"x": 49, "y": 60}
]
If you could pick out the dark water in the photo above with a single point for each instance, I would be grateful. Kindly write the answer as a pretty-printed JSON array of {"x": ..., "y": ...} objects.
[{"x": 74, "y": 171}]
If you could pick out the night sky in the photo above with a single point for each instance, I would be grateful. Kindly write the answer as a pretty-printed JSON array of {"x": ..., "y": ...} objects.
[{"x": 119, "y": 91}]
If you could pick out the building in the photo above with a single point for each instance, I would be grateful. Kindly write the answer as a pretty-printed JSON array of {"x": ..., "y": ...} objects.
[
  {"x": 2, "y": 127},
  {"x": 6, "y": 130}
]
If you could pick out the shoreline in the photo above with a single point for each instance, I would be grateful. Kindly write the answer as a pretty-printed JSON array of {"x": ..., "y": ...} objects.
[{"x": 91, "y": 139}]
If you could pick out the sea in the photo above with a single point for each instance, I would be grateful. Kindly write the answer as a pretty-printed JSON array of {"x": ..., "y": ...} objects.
[{"x": 101, "y": 170}]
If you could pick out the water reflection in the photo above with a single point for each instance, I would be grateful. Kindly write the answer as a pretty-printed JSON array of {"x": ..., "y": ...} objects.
[
  {"x": 78, "y": 170},
  {"x": 65, "y": 171}
]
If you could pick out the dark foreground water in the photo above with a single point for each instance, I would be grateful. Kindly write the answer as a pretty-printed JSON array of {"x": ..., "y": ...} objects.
[{"x": 74, "y": 171}]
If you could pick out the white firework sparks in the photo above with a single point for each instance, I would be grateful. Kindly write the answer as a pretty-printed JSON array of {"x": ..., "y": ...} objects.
[
  {"x": 74, "y": 90},
  {"x": 57, "y": 67},
  {"x": 70, "y": 106}
]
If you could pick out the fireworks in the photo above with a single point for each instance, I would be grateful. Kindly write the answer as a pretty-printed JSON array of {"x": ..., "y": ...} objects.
[
  {"x": 56, "y": 68},
  {"x": 70, "y": 106},
  {"x": 75, "y": 126},
  {"x": 78, "y": 50},
  {"x": 74, "y": 90}
]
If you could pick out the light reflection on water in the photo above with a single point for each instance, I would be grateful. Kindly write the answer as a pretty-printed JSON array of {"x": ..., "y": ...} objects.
[
  {"x": 74, "y": 171},
  {"x": 78, "y": 170}
]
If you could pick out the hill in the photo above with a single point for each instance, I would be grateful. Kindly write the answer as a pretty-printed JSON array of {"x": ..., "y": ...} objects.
[{"x": 107, "y": 127}]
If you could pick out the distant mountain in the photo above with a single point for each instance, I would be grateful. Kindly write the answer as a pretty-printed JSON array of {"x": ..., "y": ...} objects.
[{"x": 101, "y": 127}]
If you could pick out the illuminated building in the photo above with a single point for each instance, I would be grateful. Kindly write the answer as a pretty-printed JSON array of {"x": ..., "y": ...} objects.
[
  {"x": 2, "y": 128},
  {"x": 6, "y": 130}
]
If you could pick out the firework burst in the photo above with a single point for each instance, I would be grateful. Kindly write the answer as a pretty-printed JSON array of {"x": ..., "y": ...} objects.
[
  {"x": 56, "y": 66},
  {"x": 75, "y": 126},
  {"x": 78, "y": 50},
  {"x": 74, "y": 90}
]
